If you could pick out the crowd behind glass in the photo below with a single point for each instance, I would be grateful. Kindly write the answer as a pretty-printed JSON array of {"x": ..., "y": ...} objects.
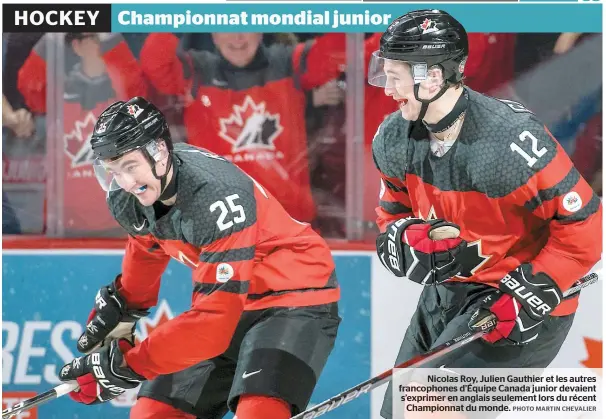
[{"x": 308, "y": 141}]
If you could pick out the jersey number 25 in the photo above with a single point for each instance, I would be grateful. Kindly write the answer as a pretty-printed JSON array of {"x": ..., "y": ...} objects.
[
  {"x": 236, "y": 211},
  {"x": 535, "y": 148}
]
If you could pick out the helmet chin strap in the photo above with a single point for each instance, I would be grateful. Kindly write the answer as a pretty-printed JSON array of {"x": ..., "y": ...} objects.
[
  {"x": 425, "y": 102},
  {"x": 168, "y": 189},
  {"x": 419, "y": 130}
]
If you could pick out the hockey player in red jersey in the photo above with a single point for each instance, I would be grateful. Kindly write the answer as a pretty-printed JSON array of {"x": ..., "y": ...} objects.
[
  {"x": 489, "y": 168},
  {"x": 264, "y": 316}
]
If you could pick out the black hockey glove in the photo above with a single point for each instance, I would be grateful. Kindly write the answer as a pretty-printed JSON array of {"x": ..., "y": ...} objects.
[
  {"x": 520, "y": 305},
  {"x": 423, "y": 251},
  {"x": 109, "y": 318},
  {"x": 100, "y": 375}
]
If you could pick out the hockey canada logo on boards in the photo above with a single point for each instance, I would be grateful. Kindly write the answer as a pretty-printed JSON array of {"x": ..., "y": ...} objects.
[
  {"x": 251, "y": 131},
  {"x": 77, "y": 142}
]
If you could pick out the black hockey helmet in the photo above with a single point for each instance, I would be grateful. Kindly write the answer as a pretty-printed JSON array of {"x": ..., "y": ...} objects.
[
  {"x": 128, "y": 126},
  {"x": 423, "y": 39}
]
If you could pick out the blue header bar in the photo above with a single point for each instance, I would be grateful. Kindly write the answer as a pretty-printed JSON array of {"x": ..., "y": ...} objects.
[{"x": 358, "y": 17}]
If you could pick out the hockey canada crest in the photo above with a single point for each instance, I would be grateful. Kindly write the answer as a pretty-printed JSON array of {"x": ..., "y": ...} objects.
[
  {"x": 134, "y": 110},
  {"x": 77, "y": 142},
  {"x": 250, "y": 127},
  {"x": 428, "y": 26}
]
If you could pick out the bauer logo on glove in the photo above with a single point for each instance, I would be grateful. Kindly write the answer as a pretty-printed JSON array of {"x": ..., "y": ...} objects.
[
  {"x": 518, "y": 307},
  {"x": 535, "y": 305},
  {"x": 101, "y": 375},
  {"x": 423, "y": 251}
]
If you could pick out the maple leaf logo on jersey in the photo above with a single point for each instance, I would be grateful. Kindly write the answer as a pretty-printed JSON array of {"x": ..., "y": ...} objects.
[
  {"x": 471, "y": 258},
  {"x": 428, "y": 26},
  {"x": 250, "y": 127},
  {"x": 77, "y": 143},
  {"x": 147, "y": 325}
]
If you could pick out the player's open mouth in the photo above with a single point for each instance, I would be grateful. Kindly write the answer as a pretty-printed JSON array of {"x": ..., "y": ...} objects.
[
  {"x": 238, "y": 48},
  {"x": 140, "y": 190}
]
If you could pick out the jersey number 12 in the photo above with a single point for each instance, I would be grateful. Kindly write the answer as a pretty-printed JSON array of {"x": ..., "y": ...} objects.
[
  {"x": 237, "y": 212},
  {"x": 535, "y": 148}
]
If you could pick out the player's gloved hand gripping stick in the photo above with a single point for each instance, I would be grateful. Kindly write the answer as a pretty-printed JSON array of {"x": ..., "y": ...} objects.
[
  {"x": 108, "y": 321},
  {"x": 482, "y": 326},
  {"x": 64, "y": 388}
]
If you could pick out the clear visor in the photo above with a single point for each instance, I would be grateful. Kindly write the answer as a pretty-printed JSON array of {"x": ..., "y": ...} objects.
[
  {"x": 383, "y": 72},
  {"x": 128, "y": 171},
  {"x": 105, "y": 176}
]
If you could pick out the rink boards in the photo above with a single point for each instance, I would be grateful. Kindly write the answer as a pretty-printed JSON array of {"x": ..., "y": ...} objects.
[{"x": 47, "y": 295}]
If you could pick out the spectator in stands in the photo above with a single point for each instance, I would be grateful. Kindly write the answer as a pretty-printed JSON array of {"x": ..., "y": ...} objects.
[
  {"x": 246, "y": 102},
  {"x": 105, "y": 71}
]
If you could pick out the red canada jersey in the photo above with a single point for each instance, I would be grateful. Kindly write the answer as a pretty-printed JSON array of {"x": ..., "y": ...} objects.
[
  {"x": 245, "y": 251},
  {"x": 254, "y": 117},
  {"x": 507, "y": 183}
]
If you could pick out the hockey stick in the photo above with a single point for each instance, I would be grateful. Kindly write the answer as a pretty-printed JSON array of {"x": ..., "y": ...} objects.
[
  {"x": 123, "y": 329},
  {"x": 51, "y": 394},
  {"x": 447, "y": 347}
]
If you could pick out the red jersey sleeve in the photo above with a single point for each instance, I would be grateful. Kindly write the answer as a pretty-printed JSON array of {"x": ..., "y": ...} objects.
[
  {"x": 318, "y": 61},
  {"x": 142, "y": 267},
  {"x": 31, "y": 79},
  {"x": 394, "y": 201},
  {"x": 122, "y": 68},
  {"x": 168, "y": 70},
  {"x": 558, "y": 194}
]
